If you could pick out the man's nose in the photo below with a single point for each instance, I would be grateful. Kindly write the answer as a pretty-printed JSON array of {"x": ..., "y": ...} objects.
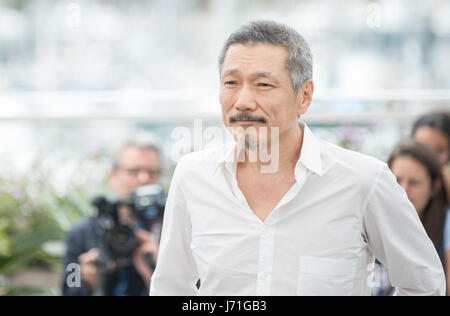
[
  {"x": 143, "y": 177},
  {"x": 245, "y": 100}
]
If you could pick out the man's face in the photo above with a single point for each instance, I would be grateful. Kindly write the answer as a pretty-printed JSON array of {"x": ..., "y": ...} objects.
[
  {"x": 256, "y": 89},
  {"x": 137, "y": 166}
]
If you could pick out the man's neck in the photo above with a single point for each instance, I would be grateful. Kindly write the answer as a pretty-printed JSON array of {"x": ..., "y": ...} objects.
[{"x": 290, "y": 144}]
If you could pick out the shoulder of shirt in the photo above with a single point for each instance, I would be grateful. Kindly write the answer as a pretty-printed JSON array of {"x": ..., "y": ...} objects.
[
  {"x": 334, "y": 156},
  {"x": 209, "y": 157}
]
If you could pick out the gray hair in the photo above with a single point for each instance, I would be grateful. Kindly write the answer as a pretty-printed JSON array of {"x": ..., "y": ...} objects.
[
  {"x": 142, "y": 141},
  {"x": 299, "y": 62}
]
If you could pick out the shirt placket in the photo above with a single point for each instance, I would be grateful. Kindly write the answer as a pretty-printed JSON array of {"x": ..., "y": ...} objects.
[
  {"x": 267, "y": 237},
  {"x": 266, "y": 245},
  {"x": 265, "y": 260},
  {"x": 267, "y": 230}
]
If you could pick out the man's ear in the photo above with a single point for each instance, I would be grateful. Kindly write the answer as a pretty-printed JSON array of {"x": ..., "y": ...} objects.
[{"x": 304, "y": 97}]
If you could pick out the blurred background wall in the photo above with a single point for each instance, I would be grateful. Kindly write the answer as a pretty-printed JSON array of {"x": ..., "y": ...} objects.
[{"x": 78, "y": 77}]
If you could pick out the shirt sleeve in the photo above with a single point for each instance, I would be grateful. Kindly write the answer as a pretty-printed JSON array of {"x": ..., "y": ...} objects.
[
  {"x": 397, "y": 238},
  {"x": 175, "y": 272}
]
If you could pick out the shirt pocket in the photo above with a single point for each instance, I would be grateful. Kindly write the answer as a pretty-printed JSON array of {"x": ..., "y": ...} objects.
[{"x": 325, "y": 276}]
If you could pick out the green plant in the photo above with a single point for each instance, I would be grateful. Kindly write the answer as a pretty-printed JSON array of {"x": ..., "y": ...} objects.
[{"x": 40, "y": 205}]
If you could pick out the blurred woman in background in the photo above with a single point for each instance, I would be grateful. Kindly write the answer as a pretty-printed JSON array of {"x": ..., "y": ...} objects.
[
  {"x": 419, "y": 172},
  {"x": 433, "y": 130}
]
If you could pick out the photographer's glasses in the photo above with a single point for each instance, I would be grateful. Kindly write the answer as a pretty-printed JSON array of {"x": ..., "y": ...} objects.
[{"x": 134, "y": 172}]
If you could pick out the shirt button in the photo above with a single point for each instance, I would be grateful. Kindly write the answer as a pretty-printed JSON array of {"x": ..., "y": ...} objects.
[
  {"x": 266, "y": 228},
  {"x": 264, "y": 275}
]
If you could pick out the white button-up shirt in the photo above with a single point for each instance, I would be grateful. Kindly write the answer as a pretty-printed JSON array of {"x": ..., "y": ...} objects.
[{"x": 344, "y": 210}]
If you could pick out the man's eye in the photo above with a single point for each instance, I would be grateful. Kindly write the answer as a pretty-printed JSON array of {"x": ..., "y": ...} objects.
[
  {"x": 265, "y": 85},
  {"x": 230, "y": 83}
]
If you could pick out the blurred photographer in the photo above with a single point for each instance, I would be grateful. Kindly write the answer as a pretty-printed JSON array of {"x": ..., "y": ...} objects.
[{"x": 117, "y": 249}]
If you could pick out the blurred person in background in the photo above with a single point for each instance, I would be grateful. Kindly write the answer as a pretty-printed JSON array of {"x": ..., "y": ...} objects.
[
  {"x": 418, "y": 171},
  {"x": 433, "y": 130},
  {"x": 137, "y": 165}
]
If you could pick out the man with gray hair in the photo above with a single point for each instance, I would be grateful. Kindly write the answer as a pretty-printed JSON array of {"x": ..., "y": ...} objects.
[{"x": 312, "y": 226}]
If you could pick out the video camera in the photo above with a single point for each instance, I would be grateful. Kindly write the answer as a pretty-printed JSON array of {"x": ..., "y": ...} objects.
[{"x": 118, "y": 239}]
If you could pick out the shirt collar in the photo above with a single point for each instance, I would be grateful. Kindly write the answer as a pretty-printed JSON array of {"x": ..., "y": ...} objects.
[
  {"x": 310, "y": 156},
  {"x": 228, "y": 157}
]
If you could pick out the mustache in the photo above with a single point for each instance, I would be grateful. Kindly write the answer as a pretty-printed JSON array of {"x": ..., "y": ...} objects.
[{"x": 246, "y": 117}]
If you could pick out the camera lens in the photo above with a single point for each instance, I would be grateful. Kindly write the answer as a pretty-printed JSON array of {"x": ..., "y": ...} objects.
[{"x": 121, "y": 241}]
